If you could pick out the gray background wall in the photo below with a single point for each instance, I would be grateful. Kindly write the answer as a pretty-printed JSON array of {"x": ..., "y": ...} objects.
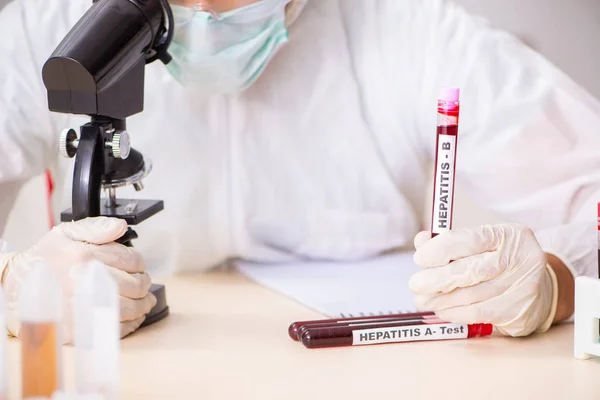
[{"x": 565, "y": 31}]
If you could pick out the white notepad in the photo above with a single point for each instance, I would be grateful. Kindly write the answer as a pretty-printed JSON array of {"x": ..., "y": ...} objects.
[{"x": 346, "y": 289}]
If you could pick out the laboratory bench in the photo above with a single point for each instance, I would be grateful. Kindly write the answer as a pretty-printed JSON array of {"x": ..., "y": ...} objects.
[{"x": 226, "y": 338}]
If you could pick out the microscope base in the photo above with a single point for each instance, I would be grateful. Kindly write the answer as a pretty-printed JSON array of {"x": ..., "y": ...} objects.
[{"x": 161, "y": 309}]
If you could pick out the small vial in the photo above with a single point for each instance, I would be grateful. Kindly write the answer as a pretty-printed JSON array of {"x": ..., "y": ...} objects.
[
  {"x": 41, "y": 319},
  {"x": 97, "y": 332},
  {"x": 445, "y": 160}
]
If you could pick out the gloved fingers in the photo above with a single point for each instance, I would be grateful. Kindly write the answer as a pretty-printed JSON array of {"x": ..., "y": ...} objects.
[
  {"x": 421, "y": 238},
  {"x": 132, "y": 286},
  {"x": 511, "y": 315},
  {"x": 118, "y": 256},
  {"x": 128, "y": 327},
  {"x": 461, "y": 273},
  {"x": 462, "y": 296},
  {"x": 457, "y": 244},
  {"x": 132, "y": 309},
  {"x": 492, "y": 311},
  {"x": 96, "y": 230},
  {"x": 471, "y": 314}
]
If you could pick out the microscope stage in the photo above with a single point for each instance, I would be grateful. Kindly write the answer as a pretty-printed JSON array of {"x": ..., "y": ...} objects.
[{"x": 134, "y": 211}]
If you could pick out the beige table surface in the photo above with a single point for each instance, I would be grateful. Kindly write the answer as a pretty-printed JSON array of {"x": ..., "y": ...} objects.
[{"x": 226, "y": 338}]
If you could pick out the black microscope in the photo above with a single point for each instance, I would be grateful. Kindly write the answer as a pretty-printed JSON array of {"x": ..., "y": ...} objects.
[{"x": 98, "y": 70}]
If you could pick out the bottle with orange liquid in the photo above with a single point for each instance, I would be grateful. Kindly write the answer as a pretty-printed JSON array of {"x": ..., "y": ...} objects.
[{"x": 40, "y": 336}]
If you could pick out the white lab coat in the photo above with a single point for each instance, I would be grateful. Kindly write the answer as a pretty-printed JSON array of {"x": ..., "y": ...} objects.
[{"x": 328, "y": 154}]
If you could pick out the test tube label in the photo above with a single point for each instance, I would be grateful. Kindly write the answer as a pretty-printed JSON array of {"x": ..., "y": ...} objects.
[
  {"x": 444, "y": 182},
  {"x": 410, "y": 333}
]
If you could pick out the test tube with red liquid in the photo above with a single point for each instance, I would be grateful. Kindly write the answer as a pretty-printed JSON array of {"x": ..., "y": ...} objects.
[
  {"x": 410, "y": 330},
  {"x": 296, "y": 329},
  {"x": 448, "y": 109}
]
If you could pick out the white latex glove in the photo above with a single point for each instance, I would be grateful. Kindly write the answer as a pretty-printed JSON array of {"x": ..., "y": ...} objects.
[
  {"x": 65, "y": 248},
  {"x": 494, "y": 274}
]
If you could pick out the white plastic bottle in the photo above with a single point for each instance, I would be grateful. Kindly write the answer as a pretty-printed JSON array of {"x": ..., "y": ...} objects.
[{"x": 97, "y": 332}]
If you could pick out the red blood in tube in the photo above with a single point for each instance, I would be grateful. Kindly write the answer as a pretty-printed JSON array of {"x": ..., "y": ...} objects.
[{"x": 295, "y": 327}]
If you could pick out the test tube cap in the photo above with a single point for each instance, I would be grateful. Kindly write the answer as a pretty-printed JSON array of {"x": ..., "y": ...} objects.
[
  {"x": 41, "y": 296},
  {"x": 449, "y": 94}
]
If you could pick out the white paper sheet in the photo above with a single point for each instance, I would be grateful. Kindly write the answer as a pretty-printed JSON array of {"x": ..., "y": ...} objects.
[{"x": 376, "y": 286}]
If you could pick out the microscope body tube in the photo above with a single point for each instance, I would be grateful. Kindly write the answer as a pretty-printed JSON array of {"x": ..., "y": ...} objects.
[{"x": 40, "y": 333}]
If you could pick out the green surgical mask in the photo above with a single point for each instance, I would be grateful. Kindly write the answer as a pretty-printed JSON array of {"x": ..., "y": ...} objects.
[{"x": 226, "y": 53}]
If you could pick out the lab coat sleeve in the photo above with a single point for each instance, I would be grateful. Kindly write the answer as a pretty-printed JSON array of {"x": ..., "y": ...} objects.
[
  {"x": 26, "y": 132},
  {"x": 529, "y": 136}
]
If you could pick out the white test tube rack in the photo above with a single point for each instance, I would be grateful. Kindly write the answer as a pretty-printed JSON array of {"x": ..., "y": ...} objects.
[{"x": 587, "y": 318}]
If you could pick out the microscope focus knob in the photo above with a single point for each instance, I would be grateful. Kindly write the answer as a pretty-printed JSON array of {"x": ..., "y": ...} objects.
[
  {"x": 68, "y": 143},
  {"x": 120, "y": 144}
]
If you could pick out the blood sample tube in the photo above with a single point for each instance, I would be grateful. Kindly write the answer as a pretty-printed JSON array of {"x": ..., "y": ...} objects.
[
  {"x": 445, "y": 160},
  {"x": 97, "y": 332},
  {"x": 418, "y": 329},
  {"x": 295, "y": 327},
  {"x": 41, "y": 321},
  {"x": 326, "y": 324}
]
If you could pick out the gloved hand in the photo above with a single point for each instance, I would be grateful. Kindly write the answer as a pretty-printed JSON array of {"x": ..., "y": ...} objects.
[
  {"x": 67, "y": 247},
  {"x": 494, "y": 274}
]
